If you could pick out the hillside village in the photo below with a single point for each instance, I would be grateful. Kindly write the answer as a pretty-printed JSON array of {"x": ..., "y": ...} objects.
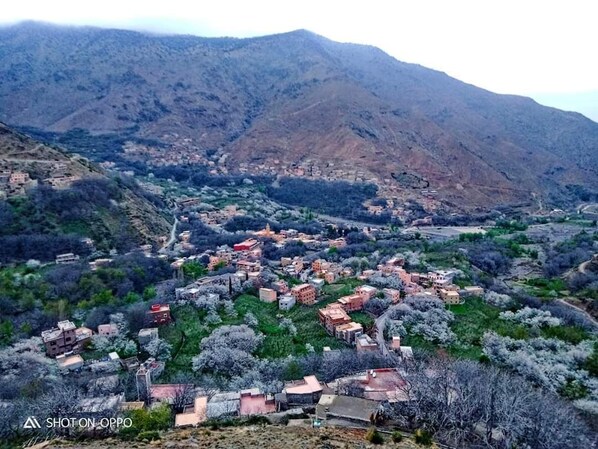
[
  {"x": 289, "y": 283},
  {"x": 339, "y": 320}
]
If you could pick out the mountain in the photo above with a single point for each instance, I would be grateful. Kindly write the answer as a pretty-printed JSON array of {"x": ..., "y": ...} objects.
[
  {"x": 51, "y": 200},
  {"x": 298, "y": 98}
]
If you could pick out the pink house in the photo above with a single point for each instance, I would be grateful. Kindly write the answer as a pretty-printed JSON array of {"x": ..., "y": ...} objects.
[{"x": 108, "y": 330}]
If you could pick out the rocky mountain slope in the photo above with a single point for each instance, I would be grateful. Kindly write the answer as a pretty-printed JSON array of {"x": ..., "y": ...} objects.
[
  {"x": 65, "y": 195},
  {"x": 295, "y": 97}
]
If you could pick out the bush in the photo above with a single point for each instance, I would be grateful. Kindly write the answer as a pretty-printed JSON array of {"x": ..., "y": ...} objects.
[
  {"x": 149, "y": 435},
  {"x": 374, "y": 437},
  {"x": 423, "y": 437},
  {"x": 397, "y": 436}
]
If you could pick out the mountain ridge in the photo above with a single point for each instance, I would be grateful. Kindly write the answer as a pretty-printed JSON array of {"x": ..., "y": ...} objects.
[{"x": 300, "y": 98}]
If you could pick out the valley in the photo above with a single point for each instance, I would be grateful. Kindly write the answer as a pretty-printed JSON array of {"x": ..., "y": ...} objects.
[{"x": 238, "y": 242}]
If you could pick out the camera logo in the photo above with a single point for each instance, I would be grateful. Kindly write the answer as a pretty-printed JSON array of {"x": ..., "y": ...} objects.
[{"x": 32, "y": 423}]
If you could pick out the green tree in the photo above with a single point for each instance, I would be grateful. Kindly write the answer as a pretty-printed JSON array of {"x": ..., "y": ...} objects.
[
  {"x": 194, "y": 270},
  {"x": 156, "y": 419},
  {"x": 149, "y": 293},
  {"x": 6, "y": 332}
]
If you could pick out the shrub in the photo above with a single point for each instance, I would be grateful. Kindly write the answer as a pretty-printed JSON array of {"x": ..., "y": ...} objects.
[
  {"x": 149, "y": 435},
  {"x": 423, "y": 437},
  {"x": 397, "y": 436},
  {"x": 374, "y": 437}
]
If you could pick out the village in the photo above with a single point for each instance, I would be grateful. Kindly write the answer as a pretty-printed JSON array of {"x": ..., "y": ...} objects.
[{"x": 288, "y": 283}]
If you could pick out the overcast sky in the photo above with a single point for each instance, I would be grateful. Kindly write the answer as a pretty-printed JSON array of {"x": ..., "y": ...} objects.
[{"x": 543, "y": 49}]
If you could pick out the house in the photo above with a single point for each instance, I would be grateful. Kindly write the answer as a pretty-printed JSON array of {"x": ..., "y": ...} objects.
[
  {"x": 471, "y": 290},
  {"x": 254, "y": 402},
  {"x": 224, "y": 405},
  {"x": 395, "y": 344},
  {"x": 83, "y": 336},
  {"x": 108, "y": 330},
  {"x": 216, "y": 262},
  {"x": 130, "y": 364},
  {"x": 146, "y": 335},
  {"x": 333, "y": 315},
  {"x": 347, "y": 408},
  {"x": 304, "y": 294},
  {"x": 351, "y": 303},
  {"x": 348, "y": 332},
  {"x": 193, "y": 415},
  {"x": 145, "y": 375},
  {"x": 365, "y": 343},
  {"x": 286, "y": 302},
  {"x": 267, "y": 295},
  {"x": 61, "y": 339},
  {"x": 396, "y": 261},
  {"x": 248, "y": 266},
  {"x": 442, "y": 275},
  {"x": 406, "y": 353},
  {"x": 366, "y": 291},
  {"x": 391, "y": 294},
  {"x": 159, "y": 314},
  {"x": 330, "y": 277},
  {"x": 71, "y": 362},
  {"x": 299, "y": 393},
  {"x": 449, "y": 296},
  {"x": 66, "y": 258},
  {"x": 281, "y": 287},
  {"x": 317, "y": 283},
  {"x": 382, "y": 384},
  {"x": 247, "y": 245},
  {"x": 411, "y": 288},
  {"x": 165, "y": 393},
  {"x": 337, "y": 243}
]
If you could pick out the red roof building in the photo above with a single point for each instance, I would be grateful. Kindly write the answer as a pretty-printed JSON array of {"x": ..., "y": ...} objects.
[{"x": 159, "y": 314}]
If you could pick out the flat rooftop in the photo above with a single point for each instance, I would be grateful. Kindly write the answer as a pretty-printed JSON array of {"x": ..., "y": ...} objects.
[
  {"x": 194, "y": 415},
  {"x": 309, "y": 384},
  {"x": 345, "y": 407},
  {"x": 256, "y": 404}
]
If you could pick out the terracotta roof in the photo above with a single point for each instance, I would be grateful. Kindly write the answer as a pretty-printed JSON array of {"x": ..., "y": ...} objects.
[{"x": 309, "y": 384}]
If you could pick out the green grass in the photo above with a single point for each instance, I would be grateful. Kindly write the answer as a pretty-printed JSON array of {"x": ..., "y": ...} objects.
[
  {"x": 363, "y": 318},
  {"x": 277, "y": 343},
  {"x": 188, "y": 320},
  {"x": 543, "y": 288},
  {"x": 472, "y": 319}
]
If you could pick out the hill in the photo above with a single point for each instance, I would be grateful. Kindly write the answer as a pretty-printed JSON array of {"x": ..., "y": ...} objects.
[
  {"x": 52, "y": 200},
  {"x": 275, "y": 102}
]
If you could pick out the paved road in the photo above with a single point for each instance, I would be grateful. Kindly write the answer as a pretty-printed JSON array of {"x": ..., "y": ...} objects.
[
  {"x": 172, "y": 238},
  {"x": 380, "y": 325}
]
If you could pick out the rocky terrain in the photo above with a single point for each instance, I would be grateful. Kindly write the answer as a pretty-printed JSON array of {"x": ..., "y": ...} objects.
[
  {"x": 298, "y": 96},
  {"x": 270, "y": 437}
]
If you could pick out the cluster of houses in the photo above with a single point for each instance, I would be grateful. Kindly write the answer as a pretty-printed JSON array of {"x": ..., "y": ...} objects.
[
  {"x": 15, "y": 183},
  {"x": 355, "y": 399},
  {"x": 66, "y": 341}
]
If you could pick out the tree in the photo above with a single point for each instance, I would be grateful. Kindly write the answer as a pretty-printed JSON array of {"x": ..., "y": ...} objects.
[
  {"x": 159, "y": 349},
  {"x": 228, "y": 351}
]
